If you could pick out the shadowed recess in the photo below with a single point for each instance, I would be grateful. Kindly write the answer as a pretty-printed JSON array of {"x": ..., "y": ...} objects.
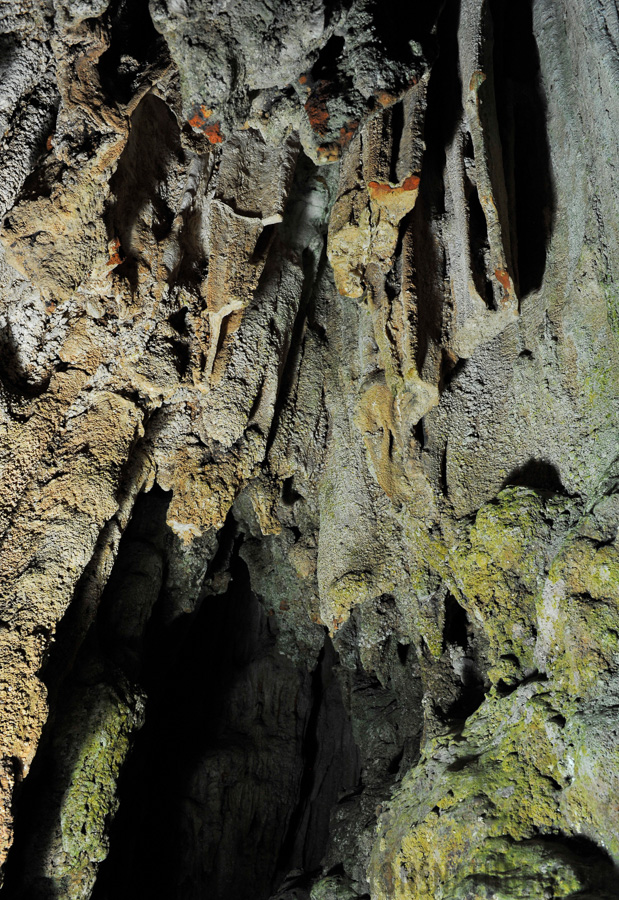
[
  {"x": 538, "y": 474},
  {"x": 521, "y": 111},
  {"x": 242, "y": 756},
  {"x": 134, "y": 43}
]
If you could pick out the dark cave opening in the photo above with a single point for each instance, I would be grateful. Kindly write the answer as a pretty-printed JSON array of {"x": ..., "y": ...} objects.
[
  {"x": 403, "y": 652},
  {"x": 396, "y": 24},
  {"x": 419, "y": 434},
  {"x": 442, "y": 473},
  {"x": 95, "y": 654},
  {"x": 188, "y": 673},
  {"x": 134, "y": 43},
  {"x": 537, "y": 474},
  {"x": 326, "y": 67},
  {"x": 479, "y": 247},
  {"x": 232, "y": 778},
  {"x": 459, "y": 633},
  {"x": 325, "y": 773},
  {"x": 456, "y": 630},
  {"x": 178, "y": 321},
  {"x": 444, "y": 111},
  {"x": 310, "y": 753},
  {"x": 181, "y": 355},
  {"x": 289, "y": 494},
  {"x": 397, "y": 128},
  {"x": 521, "y": 113}
]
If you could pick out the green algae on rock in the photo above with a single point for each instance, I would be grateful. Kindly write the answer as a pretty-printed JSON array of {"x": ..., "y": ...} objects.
[{"x": 309, "y": 402}]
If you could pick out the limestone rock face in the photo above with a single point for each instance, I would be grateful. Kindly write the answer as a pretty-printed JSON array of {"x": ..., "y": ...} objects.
[{"x": 309, "y": 457}]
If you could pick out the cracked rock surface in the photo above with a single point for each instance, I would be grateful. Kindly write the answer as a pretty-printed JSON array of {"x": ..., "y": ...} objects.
[{"x": 309, "y": 449}]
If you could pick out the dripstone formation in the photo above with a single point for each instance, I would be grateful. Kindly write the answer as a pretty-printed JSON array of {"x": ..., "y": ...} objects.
[{"x": 309, "y": 484}]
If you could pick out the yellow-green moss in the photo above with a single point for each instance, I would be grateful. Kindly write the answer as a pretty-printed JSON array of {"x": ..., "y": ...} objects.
[
  {"x": 332, "y": 888},
  {"x": 90, "y": 801},
  {"x": 589, "y": 802},
  {"x": 611, "y": 296},
  {"x": 429, "y": 560},
  {"x": 499, "y": 569},
  {"x": 578, "y": 613},
  {"x": 500, "y": 780},
  {"x": 525, "y": 870}
]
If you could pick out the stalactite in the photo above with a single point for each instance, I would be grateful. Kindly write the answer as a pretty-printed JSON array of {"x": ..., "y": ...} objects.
[{"x": 309, "y": 482}]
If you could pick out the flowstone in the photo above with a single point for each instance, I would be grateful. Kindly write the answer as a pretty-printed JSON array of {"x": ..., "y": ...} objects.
[{"x": 309, "y": 423}]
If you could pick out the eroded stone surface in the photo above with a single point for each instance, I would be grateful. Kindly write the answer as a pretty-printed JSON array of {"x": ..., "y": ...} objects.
[{"x": 308, "y": 435}]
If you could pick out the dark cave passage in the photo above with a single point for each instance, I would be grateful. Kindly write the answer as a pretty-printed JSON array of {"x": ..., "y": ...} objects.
[
  {"x": 246, "y": 764},
  {"x": 521, "y": 112},
  {"x": 242, "y": 755},
  {"x": 459, "y": 633},
  {"x": 426, "y": 253},
  {"x": 134, "y": 43}
]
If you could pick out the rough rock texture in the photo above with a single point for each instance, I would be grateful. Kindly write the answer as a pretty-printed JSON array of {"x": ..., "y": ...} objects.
[{"x": 309, "y": 488}]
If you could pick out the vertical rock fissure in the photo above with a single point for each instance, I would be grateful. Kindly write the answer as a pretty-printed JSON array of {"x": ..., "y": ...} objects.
[{"x": 521, "y": 113}]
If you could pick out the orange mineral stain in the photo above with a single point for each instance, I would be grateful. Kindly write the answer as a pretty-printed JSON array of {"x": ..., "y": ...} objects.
[
  {"x": 199, "y": 121},
  {"x": 317, "y": 113},
  {"x": 410, "y": 184},
  {"x": 333, "y": 150},
  {"x": 347, "y": 132},
  {"x": 115, "y": 257},
  {"x": 380, "y": 191},
  {"x": 213, "y": 133},
  {"x": 385, "y": 98},
  {"x": 504, "y": 280}
]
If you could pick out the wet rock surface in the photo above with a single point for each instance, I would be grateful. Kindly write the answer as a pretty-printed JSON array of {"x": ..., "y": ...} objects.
[{"x": 309, "y": 473}]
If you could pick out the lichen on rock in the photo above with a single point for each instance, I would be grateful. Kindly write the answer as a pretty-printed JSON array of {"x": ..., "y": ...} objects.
[{"x": 309, "y": 408}]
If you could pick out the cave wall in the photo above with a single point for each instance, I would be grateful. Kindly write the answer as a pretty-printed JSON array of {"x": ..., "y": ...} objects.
[{"x": 309, "y": 324}]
